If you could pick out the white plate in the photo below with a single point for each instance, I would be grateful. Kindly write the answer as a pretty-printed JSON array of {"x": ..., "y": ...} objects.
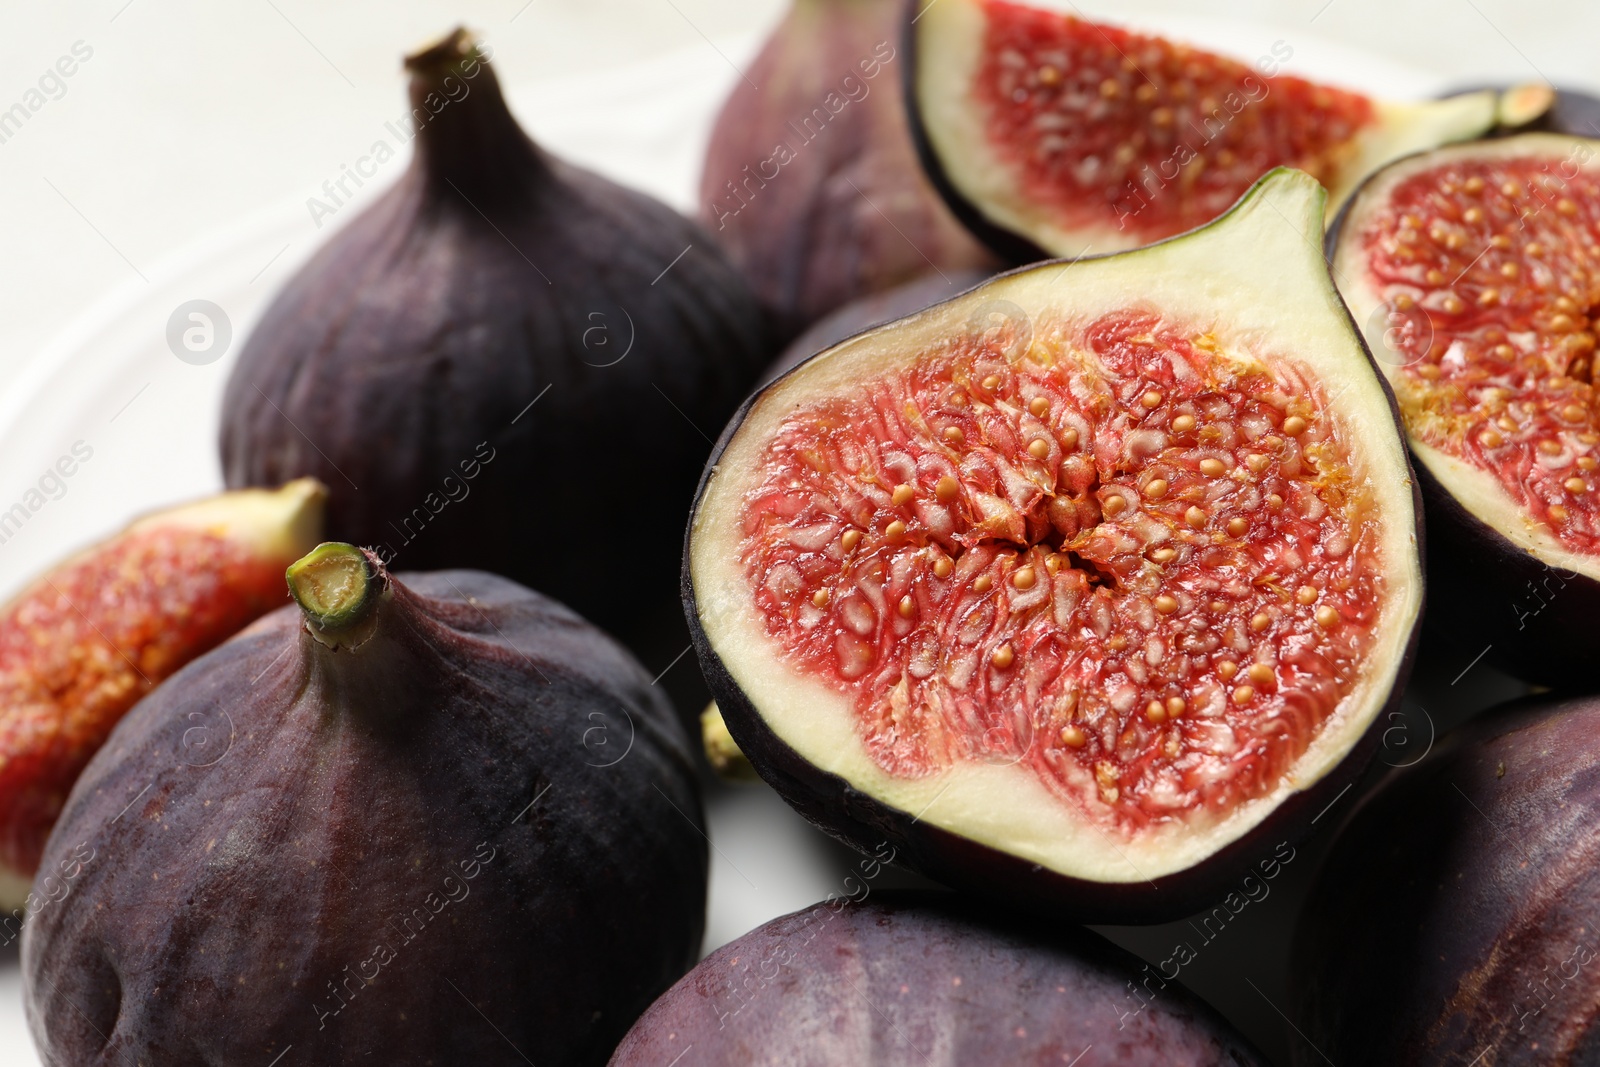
[{"x": 111, "y": 381}]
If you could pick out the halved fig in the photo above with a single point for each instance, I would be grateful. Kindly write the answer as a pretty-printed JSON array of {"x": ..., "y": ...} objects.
[
  {"x": 909, "y": 979},
  {"x": 1074, "y": 587},
  {"x": 1046, "y": 130},
  {"x": 90, "y": 637},
  {"x": 1475, "y": 270}
]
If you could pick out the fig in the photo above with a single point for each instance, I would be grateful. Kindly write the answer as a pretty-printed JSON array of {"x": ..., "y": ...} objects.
[
  {"x": 909, "y": 978},
  {"x": 1454, "y": 920},
  {"x": 1473, "y": 270},
  {"x": 811, "y": 182},
  {"x": 429, "y": 809},
  {"x": 1080, "y": 587},
  {"x": 85, "y": 640},
  {"x": 407, "y": 365},
  {"x": 1047, "y": 131}
]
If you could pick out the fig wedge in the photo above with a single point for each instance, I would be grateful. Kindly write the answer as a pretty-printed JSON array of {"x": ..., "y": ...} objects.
[
  {"x": 1081, "y": 586},
  {"x": 1047, "y": 131},
  {"x": 1475, "y": 272},
  {"x": 81, "y": 644}
]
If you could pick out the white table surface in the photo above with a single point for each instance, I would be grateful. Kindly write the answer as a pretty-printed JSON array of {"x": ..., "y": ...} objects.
[{"x": 192, "y": 118}]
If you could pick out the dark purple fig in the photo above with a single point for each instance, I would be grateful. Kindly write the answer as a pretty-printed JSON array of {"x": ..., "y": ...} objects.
[
  {"x": 1474, "y": 271},
  {"x": 1457, "y": 918},
  {"x": 407, "y": 821},
  {"x": 906, "y": 979},
  {"x": 1083, "y": 589},
  {"x": 506, "y": 363},
  {"x": 811, "y": 182}
]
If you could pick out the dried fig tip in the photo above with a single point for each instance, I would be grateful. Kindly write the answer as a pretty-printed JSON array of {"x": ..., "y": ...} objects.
[
  {"x": 336, "y": 585},
  {"x": 468, "y": 142},
  {"x": 450, "y": 51}
]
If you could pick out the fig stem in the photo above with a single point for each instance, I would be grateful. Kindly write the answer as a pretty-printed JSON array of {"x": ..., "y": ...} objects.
[{"x": 334, "y": 585}]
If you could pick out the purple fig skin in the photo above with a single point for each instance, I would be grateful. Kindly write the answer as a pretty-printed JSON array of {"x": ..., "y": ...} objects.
[
  {"x": 229, "y": 865},
  {"x": 851, "y": 213},
  {"x": 1457, "y": 918},
  {"x": 861, "y": 821},
  {"x": 905, "y": 979},
  {"x": 407, "y": 365}
]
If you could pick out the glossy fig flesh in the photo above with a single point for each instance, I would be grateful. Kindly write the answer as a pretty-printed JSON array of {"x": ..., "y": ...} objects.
[
  {"x": 1474, "y": 271},
  {"x": 505, "y": 363},
  {"x": 1076, "y": 587},
  {"x": 83, "y": 642},
  {"x": 377, "y": 827},
  {"x": 811, "y": 182},
  {"x": 1046, "y": 130},
  {"x": 906, "y": 979},
  {"x": 1455, "y": 920}
]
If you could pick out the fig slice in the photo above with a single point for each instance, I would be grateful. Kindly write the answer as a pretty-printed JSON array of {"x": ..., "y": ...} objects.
[
  {"x": 434, "y": 805},
  {"x": 1076, "y": 586},
  {"x": 1474, "y": 270},
  {"x": 908, "y": 979},
  {"x": 1048, "y": 131},
  {"x": 83, "y": 642}
]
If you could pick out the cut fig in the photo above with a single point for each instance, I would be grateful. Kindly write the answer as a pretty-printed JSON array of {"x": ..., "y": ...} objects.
[
  {"x": 83, "y": 642},
  {"x": 1454, "y": 920},
  {"x": 1076, "y": 586},
  {"x": 908, "y": 979},
  {"x": 811, "y": 182},
  {"x": 1048, "y": 131},
  {"x": 1475, "y": 270},
  {"x": 409, "y": 821}
]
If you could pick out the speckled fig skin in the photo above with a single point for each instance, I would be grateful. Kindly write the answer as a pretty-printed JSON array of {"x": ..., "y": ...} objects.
[
  {"x": 400, "y": 363},
  {"x": 229, "y": 864},
  {"x": 1488, "y": 597},
  {"x": 1457, "y": 918},
  {"x": 905, "y": 979},
  {"x": 852, "y": 213}
]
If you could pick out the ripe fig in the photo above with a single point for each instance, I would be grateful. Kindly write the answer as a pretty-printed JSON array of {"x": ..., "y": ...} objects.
[
  {"x": 1455, "y": 919},
  {"x": 811, "y": 182},
  {"x": 1047, "y": 131},
  {"x": 1474, "y": 270},
  {"x": 1078, "y": 587},
  {"x": 407, "y": 365},
  {"x": 906, "y": 979},
  {"x": 84, "y": 641},
  {"x": 419, "y": 831}
]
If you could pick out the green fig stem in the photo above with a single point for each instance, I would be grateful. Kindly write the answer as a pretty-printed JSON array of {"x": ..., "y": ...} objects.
[{"x": 335, "y": 586}]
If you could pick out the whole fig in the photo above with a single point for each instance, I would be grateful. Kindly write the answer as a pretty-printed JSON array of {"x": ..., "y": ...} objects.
[
  {"x": 811, "y": 180},
  {"x": 505, "y": 360},
  {"x": 403, "y": 822}
]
